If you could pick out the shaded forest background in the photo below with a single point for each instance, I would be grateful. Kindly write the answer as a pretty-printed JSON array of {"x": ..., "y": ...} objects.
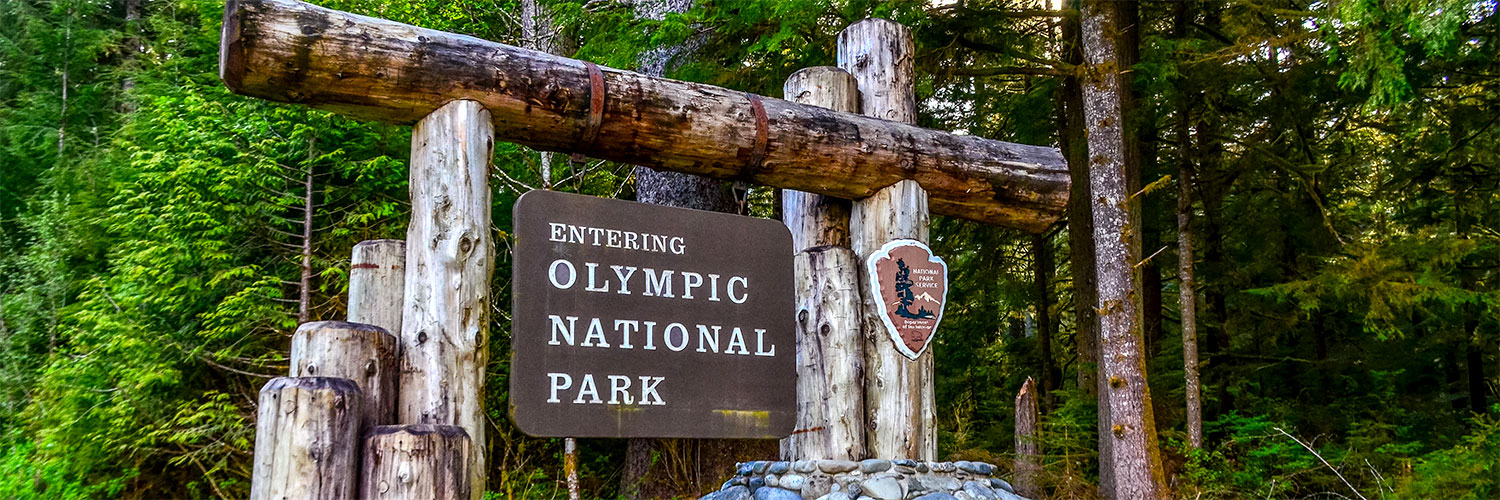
[{"x": 1345, "y": 161}]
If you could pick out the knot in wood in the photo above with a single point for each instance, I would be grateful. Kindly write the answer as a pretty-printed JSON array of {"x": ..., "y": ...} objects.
[{"x": 802, "y": 316}]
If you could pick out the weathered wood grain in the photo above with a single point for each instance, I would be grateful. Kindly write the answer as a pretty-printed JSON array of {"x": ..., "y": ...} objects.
[
  {"x": 289, "y": 51},
  {"x": 1028, "y": 443},
  {"x": 417, "y": 462},
  {"x": 365, "y": 354},
  {"x": 830, "y": 384},
  {"x": 900, "y": 407},
  {"x": 377, "y": 282},
  {"x": 449, "y": 261},
  {"x": 815, "y": 219},
  {"x": 306, "y": 434}
]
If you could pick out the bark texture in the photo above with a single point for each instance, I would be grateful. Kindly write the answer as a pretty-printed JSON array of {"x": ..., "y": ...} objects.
[
  {"x": 830, "y": 385},
  {"x": 449, "y": 262},
  {"x": 1125, "y": 399},
  {"x": 377, "y": 283},
  {"x": 417, "y": 462},
  {"x": 1041, "y": 282},
  {"x": 365, "y": 354},
  {"x": 1186, "y": 293},
  {"x": 295, "y": 52},
  {"x": 814, "y": 219},
  {"x": 1080, "y": 219},
  {"x": 1028, "y": 445},
  {"x": 306, "y": 434},
  {"x": 899, "y": 396}
]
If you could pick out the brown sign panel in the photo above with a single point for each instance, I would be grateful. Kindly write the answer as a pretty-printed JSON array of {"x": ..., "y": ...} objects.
[
  {"x": 911, "y": 287},
  {"x": 635, "y": 320}
]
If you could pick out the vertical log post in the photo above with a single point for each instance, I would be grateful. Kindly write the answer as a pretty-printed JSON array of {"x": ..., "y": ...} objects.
[
  {"x": 830, "y": 386},
  {"x": 364, "y": 354},
  {"x": 417, "y": 462},
  {"x": 306, "y": 433},
  {"x": 899, "y": 402},
  {"x": 449, "y": 261},
  {"x": 377, "y": 281},
  {"x": 1028, "y": 447}
]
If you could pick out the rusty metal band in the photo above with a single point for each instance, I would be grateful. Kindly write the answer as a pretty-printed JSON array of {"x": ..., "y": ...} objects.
[
  {"x": 762, "y": 131},
  {"x": 596, "y": 109}
]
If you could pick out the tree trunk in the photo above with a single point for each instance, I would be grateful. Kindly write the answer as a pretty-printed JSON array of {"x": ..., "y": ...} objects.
[
  {"x": 417, "y": 462},
  {"x": 899, "y": 397},
  {"x": 377, "y": 283},
  {"x": 540, "y": 33},
  {"x": 306, "y": 435},
  {"x": 1187, "y": 295},
  {"x": 830, "y": 383},
  {"x": 545, "y": 102},
  {"x": 1041, "y": 265},
  {"x": 304, "y": 282},
  {"x": 365, "y": 354},
  {"x": 449, "y": 262},
  {"x": 1028, "y": 442},
  {"x": 1125, "y": 399},
  {"x": 642, "y": 477},
  {"x": 1070, "y": 135}
]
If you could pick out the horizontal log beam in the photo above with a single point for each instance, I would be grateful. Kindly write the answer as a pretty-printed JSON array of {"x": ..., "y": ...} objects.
[{"x": 294, "y": 52}]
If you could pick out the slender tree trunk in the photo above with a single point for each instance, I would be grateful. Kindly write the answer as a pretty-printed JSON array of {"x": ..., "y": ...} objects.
[
  {"x": 62, "y": 115},
  {"x": 133, "y": 49},
  {"x": 1080, "y": 221},
  {"x": 1041, "y": 264},
  {"x": 1187, "y": 295},
  {"x": 684, "y": 191},
  {"x": 539, "y": 32},
  {"x": 304, "y": 294},
  {"x": 1131, "y": 438}
]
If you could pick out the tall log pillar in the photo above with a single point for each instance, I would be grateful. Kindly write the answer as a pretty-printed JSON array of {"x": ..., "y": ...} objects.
[
  {"x": 830, "y": 384},
  {"x": 449, "y": 261},
  {"x": 899, "y": 402}
]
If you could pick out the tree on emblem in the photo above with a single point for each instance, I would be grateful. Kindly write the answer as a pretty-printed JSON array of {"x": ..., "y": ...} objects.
[{"x": 905, "y": 295}]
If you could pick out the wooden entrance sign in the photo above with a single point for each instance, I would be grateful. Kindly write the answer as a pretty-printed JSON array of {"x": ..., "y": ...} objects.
[{"x": 636, "y": 320}]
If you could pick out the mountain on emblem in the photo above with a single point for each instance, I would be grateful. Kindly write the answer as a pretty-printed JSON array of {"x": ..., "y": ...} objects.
[{"x": 912, "y": 287}]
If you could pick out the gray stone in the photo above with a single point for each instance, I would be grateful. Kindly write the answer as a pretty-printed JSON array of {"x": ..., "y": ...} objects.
[
  {"x": 775, "y": 494},
  {"x": 773, "y": 481},
  {"x": 854, "y": 490},
  {"x": 979, "y": 490},
  {"x": 739, "y": 480},
  {"x": 836, "y": 466},
  {"x": 963, "y": 496},
  {"x": 793, "y": 482},
  {"x": 1006, "y": 495},
  {"x": 905, "y": 470},
  {"x": 818, "y": 484},
  {"x": 937, "y": 496},
  {"x": 943, "y": 466},
  {"x": 1000, "y": 484},
  {"x": 756, "y": 483},
  {"x": 906, "y": 462},
  {"x": 733, "y": 493},
  {"x": 745, "y": 468},
  {"x": 924, "y": 484},
  {"x": 980, "y": 468},
  {"x": 779, "y": 467},
  {"x": 872, "y": 466},
  {"x": 837, "y": 495},
  {"x": 921, "y": 467},
  {"x": 805, "y": 466},
  {"x": 882, "y": 488},
  {"x": 760, "y": 466},
  {"x": 865, "y": 498}
]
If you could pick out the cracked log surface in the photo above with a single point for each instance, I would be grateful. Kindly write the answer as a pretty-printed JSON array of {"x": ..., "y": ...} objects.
[{"x": 289, "y": 51}]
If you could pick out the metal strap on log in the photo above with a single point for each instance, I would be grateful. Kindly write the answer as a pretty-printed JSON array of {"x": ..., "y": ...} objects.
[{"x": 289, "y": 51}]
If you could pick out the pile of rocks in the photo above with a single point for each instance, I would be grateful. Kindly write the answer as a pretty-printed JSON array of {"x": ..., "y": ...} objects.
[{"x": 864, "y": 480}]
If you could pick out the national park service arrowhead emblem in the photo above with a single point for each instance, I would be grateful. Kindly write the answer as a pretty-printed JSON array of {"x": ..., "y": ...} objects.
[{"x": 911, "y": 286}]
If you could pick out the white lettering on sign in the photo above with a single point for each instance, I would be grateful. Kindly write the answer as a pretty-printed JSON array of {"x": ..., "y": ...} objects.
[
  {"x": 649, "y": 283},
  {"x": 615, "y": 238},
  {"x": 619, "y": 389}
]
